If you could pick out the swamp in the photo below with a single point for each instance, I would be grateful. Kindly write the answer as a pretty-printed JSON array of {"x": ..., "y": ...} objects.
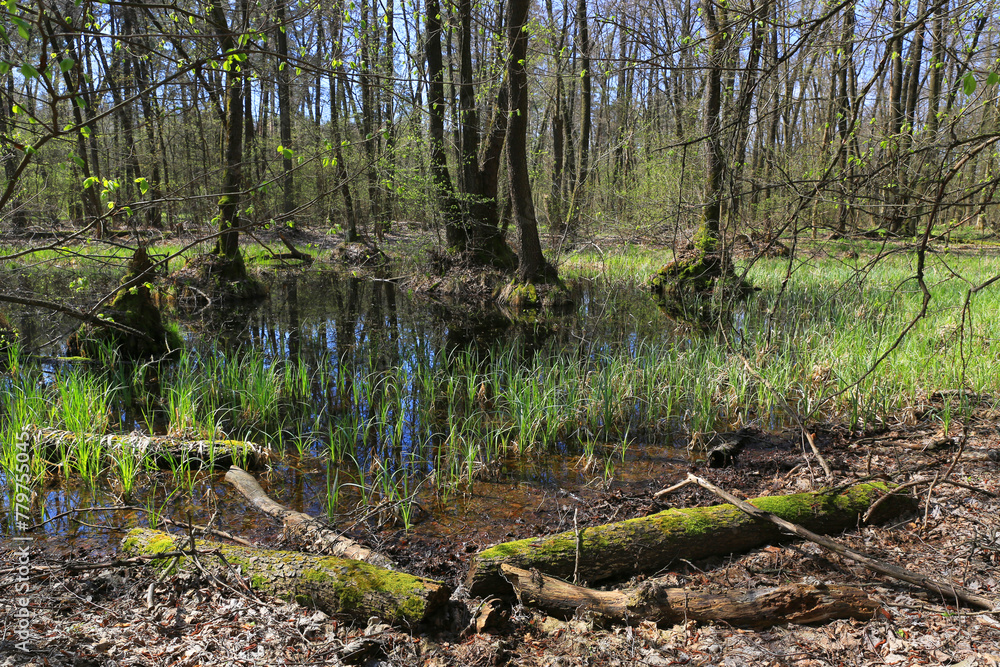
[{"x": 466, "y": 333}]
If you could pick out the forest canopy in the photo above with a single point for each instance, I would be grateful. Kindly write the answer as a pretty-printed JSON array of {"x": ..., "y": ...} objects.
[{"x": 832, "y": 117}]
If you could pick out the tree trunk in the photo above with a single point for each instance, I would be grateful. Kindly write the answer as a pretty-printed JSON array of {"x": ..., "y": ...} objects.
[
  {"x": 18, "y": 217},
  {"x": 586, "y": 101},
  {"x": 471, "y": 220},
  {"x": 285, "y": 114},
  {"x": 228, "y": 244},
  {"x": 652, "y": 601},
  {"x": 648, "y": 544},
  {"x": 336, "y": 586},
  {"x": 707, "y": 238},
  {"x": 340, "y": 168},
  {"x": 532, "y": 267}
]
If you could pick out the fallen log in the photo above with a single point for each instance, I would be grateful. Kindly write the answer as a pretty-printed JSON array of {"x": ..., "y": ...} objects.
[
  {"x": 293, "y": 252},
  {"x": 946, "y": 589},
  {"x": 165, "y": 451},
  {"x": 334, "y": 585},
  {"x": 648, "y": 544},
  {"x": 664, "y": 605},
  {"x": 309, "y": 529}
]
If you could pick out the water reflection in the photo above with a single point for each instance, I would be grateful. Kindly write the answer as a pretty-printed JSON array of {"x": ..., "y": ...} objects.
[{"x": 379, "y": 365}]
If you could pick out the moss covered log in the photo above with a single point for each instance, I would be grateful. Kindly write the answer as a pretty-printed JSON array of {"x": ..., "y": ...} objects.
[
  {"x": 334, "y": 585},
  {"x": 164, "y": 451},
  {"x": 647, "y": 544}
]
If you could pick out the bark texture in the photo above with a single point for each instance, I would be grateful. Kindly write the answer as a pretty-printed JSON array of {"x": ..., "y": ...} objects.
[
  {"x": 163, "y": 449},
  {"x": 651, "y": 601},
  {"x": 334, "y": 585},
  {"x": 314, "y": 532},
  {"x": 648, "y": 544}
]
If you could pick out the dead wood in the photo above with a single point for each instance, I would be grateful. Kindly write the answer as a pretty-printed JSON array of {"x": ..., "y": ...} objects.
[
  {"x": 653, "y": 601},
  {"x": 648, "y": 544},
  {"x": 165, "y": 451},
  {"x": 333, "y": 585},
  {"x": 293, "y": 252},
  {"x": 947, "y": 590},
  {"x": 313, "y": 532},
  {"x": 724, "y": 448}
]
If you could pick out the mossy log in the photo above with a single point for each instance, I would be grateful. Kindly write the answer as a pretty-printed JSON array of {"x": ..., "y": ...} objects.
[
  {"x": 664, "y": 605},
  {"x": 334, "y": 585},
  {"x": 165, "y": 451},
  {"x": 311, "y": 530},
  {"x": 648, "y": 544}
]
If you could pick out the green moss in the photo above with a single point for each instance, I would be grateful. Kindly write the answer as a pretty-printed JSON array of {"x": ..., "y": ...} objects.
[
  {"x": 133, "y": 307},
  {"x": 705, "y": 241},
  {"x": 609, "y": 551},
  {"x": 336, "y": 585}
]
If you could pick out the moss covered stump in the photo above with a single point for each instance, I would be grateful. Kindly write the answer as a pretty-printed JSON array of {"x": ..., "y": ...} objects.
[
  {"x": 648, "y": 544},
  {"x": 212, "y": 277},
  {"x": 334, "y": 585},
  {"x": 686, "y": 286},
  {"x": 133, "y": 307},
  {"x": 550, "y": 294}
]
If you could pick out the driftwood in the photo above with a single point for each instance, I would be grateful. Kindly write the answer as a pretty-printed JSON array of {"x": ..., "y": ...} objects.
[
  {"x": 947, "y": 590},
  {"x": 311, "y": 530},
  {"x": 648, "y": 544},
  {"x": 334, "y": 585},
  {"x": 166, "y": 451},
  {"x": 652, "y": 601}
]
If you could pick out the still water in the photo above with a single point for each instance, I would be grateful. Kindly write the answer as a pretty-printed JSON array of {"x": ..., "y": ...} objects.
[{"x": 346, "y": 335}]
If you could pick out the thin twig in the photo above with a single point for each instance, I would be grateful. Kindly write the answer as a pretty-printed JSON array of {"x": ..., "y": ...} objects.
[{"x": 670, "y": 489}]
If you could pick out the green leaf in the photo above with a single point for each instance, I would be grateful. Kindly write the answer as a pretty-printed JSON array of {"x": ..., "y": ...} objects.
[
  {"x": 78, "y": 161},
  {"x": 143, "y": 185},
  {"x": 66, "y": 64},
  {"x": 969, "y": 84},
  {"x": 22, "y": 27},
  {"x": 92, "y": 180},
  {"x": 29, "y": 72},
  {"x": 85, "y": 131},
  {"x": 30, "y": 150},
  {"x": 992, "y": 78}
]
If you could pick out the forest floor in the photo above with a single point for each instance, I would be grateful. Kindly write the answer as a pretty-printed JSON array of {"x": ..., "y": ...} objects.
[{"x": 102, "y": 616}]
